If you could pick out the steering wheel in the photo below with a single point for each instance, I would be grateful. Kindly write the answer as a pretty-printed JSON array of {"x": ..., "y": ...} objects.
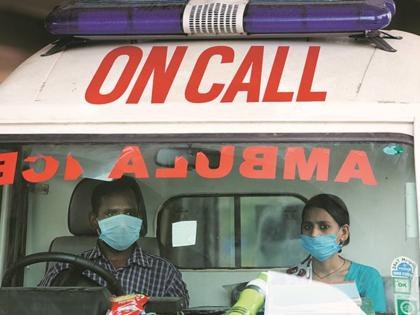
[{"x": 79, "y": 262}]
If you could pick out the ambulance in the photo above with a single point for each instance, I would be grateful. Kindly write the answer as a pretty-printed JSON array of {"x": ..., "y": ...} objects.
[{"x": 230, "y": 116}]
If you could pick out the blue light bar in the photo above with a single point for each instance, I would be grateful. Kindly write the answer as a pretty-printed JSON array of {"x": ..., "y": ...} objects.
[{"x": 145, "y": 17}]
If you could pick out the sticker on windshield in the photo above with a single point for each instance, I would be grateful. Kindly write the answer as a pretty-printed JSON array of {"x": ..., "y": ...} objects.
[
  {"x": 402, "y": 285},
  {"x": 393, "y": 149},
  {"x": 406, "y": 307},
  {"x": 184, "y": 233},
  {"x": 404, "y": 275},
  {"x": 403, "y": 267}
]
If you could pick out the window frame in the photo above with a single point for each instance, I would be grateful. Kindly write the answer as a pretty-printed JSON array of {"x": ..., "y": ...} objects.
[{"x": 236, "y": 218}]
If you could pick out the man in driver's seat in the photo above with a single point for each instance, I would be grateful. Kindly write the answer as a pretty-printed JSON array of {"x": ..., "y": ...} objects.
[{"x": 117, "y": 219}]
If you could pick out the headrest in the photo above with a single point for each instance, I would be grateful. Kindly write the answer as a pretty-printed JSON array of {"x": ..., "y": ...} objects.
[{"x": 80, "y": 207}]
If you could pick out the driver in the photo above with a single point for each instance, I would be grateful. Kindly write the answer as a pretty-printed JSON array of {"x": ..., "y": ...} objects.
[{"x": 116, "y": 218}]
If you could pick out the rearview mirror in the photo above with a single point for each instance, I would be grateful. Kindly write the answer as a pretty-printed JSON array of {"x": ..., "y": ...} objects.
[{"x": 166, "y": 157}]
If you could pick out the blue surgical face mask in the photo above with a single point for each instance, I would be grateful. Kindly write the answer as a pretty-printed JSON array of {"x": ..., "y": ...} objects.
[
  {"x": 120, "y": 231},
  {"x": 321, "y": 247}
]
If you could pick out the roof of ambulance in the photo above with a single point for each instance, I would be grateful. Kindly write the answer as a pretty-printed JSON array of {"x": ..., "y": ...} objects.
[{"x": 352, "y": 73}]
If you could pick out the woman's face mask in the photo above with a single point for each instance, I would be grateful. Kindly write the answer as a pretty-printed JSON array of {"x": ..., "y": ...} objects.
[
  {"x": 321, "y": 234},
  {"x": 120, "y": 231},
  {"x": 321, "y": 247}
]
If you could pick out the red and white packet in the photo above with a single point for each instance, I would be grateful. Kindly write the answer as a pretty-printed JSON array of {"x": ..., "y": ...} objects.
[{"x": 132, "y": 304}]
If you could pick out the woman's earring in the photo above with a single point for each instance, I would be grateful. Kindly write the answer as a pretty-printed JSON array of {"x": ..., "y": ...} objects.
[{"x": 340, "y": 243}]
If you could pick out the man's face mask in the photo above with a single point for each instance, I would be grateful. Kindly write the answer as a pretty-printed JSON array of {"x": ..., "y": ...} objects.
[
  {"x": 321, "y": 247},
  {"x": 120, "y": 231}
]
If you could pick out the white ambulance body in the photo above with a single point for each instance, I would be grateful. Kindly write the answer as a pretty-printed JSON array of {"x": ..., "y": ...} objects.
[{"x": 276, "y": 121}]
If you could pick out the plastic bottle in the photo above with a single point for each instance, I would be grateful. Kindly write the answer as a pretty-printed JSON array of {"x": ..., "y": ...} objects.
[{"x": 251, "y": 298}]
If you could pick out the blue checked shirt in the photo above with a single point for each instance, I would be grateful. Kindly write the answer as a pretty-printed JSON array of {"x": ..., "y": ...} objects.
[{"x": 146, "y": 274}]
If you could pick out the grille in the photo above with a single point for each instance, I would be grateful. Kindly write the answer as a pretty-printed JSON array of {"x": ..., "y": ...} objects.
[{"x": 204, "y": 17}]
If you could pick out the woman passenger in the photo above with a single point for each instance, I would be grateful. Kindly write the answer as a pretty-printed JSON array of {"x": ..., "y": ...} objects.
[{"x": 325, "y": 229}]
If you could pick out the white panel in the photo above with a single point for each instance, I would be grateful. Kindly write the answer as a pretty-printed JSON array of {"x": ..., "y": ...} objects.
[{"x": 411, "y": 210}]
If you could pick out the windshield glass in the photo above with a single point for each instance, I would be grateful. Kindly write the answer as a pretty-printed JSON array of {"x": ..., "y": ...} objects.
[{"x": 222, "y": 211}]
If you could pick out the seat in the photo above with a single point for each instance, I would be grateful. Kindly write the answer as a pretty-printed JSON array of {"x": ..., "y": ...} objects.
[{"x": 84, "y": 237}]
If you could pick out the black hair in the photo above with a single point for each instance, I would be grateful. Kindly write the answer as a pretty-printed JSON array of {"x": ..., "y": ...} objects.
[
  {"x": 122, "y": 185},
  {"x": 335, "y": 207}
]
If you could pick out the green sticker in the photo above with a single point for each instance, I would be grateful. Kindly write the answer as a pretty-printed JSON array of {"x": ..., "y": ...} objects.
[
  {"x": 402, "y": 285},
  {"x": 406, "y": 307},
  {"x": 393, "y": 149}
]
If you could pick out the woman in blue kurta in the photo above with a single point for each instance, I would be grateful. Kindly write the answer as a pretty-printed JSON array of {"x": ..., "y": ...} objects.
[{"x": 325, "y": 229}]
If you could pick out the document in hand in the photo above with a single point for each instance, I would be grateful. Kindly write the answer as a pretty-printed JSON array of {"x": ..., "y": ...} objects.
[
  {"x": 288, "y": 294},
  {"x": 349, "y": 288}
]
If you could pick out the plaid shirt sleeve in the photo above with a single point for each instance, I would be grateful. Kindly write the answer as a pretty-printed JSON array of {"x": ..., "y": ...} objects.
[
  {"x": 52, "y": 272},
  {"x": 175, "y": 285}
]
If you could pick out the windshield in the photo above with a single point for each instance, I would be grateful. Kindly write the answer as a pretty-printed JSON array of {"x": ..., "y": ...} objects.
[{"x": 222, "y": 211}]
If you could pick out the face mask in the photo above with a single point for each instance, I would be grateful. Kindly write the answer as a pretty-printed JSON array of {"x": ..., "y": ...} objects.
[
  {"x": 321, "y": 247},
  {"x": 120, "y": 231}
]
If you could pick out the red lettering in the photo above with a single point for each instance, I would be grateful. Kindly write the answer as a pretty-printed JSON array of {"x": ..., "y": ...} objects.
[
  {"x": 162, "y": 77},
  {"x": 356, "y": 165},
  {"x": 259, "y": 162},
  {"x": 50, "y": 168},
  {"x": 73, "y": 169},
  {"x": 271, "y": 93},
  {"x": 294, "y": 159},
  {"x": 253, "y": 61},
  {"x": 202, "y": 164},
  {"x": 179, "y": 170},
  {"x": 93, "y": 94},
  {"x": 130, "y": 161},
  {"x": 8, "y": 167},
  {"x": 191, "y": 92},
  {"x": 305, "y": 94}
]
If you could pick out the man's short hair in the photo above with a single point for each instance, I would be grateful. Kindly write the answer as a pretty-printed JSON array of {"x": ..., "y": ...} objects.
[{"x": 122, "y": 185}]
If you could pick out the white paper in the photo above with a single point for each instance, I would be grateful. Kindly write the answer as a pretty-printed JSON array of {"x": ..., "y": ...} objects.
[
  {"x": 184, "y": 233},
  {"x": 411, "y": 210},
  {"x": 350, "y": 289},
  {"x": 288, "y": 294}
]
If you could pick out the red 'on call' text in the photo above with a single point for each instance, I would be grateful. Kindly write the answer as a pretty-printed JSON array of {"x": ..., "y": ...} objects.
[{"x": 161, "y": 70}]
